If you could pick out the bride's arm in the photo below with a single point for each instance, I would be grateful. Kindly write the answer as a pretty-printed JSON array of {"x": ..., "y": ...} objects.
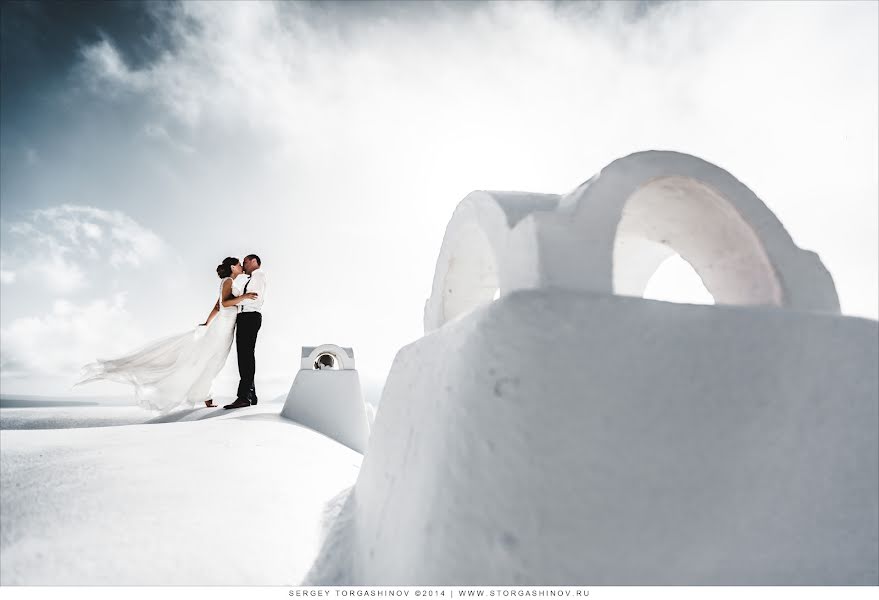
[
  {"x": 213, "y": 314},
  {"x": 230, "y": 300}
]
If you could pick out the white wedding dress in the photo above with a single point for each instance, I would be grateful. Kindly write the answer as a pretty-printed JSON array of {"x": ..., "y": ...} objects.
[{"x": 173, "y": 372}]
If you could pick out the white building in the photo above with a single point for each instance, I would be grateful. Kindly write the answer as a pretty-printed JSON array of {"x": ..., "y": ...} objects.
[{"x": 571, "y": 432}]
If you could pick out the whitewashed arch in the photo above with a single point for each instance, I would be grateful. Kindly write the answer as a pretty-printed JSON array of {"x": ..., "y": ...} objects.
[
  {"x": 476, "y": 258},
  {"x": 344, "y": 356},
  {"x": 648, "y": 205},
  {"x": 610, "y": 234}
]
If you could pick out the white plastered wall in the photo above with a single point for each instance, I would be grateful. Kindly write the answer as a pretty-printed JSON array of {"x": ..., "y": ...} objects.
[{"x": 329, "y": 401}]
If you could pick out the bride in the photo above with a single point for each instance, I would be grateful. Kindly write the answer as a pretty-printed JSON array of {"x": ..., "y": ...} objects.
[{"x": 178, "y": 370}]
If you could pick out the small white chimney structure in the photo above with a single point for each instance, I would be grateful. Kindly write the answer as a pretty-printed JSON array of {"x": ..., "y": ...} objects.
[{"x": 326, "y": 396}]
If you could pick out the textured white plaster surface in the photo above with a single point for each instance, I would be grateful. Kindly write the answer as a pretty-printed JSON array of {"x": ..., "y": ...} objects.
[{"x": 557, "y": 437}]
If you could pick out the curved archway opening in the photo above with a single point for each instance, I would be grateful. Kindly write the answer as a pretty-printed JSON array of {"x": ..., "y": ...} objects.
[
  {"x": 675, "y": 280},
  {"x": 676, "y": 216},
  {"x": 326, "y": 361},
  {"x": 471, "y": 278}
]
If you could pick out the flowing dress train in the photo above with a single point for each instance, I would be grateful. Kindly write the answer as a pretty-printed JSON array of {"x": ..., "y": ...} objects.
[{"x": 176, "y": 371}]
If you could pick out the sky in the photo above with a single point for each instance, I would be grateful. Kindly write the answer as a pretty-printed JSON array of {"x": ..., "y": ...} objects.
[{"x": 141, "y": 143}]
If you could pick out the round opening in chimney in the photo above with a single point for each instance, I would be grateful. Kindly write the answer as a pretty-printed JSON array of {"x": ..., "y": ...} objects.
[{"x": 326, "y": 361}]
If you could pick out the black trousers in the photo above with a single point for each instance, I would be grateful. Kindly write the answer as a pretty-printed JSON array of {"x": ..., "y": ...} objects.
[{"x": 246, "y": 328}]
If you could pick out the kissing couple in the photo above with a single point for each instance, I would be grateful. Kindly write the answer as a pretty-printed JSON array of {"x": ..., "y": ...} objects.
[{"x": 179, "y": 371}]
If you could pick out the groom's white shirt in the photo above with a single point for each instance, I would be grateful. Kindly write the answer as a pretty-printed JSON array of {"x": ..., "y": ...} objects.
[{"x": 256, "y": 283}]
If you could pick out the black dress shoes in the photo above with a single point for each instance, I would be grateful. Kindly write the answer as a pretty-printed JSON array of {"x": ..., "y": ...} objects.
[
  {"x": 254, "y": 400},
  {"x": 238, "y": 404}
]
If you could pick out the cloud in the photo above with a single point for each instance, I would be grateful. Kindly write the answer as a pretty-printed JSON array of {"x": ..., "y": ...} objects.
[
  {"x": 358, "y": 127},
  {"x": 54, "y": 243},
  {"x": 106, "y": 65},
  {"x": 385, "y": 115},
  {"x": 158, "y": 133},
  {"x": 66, "y": 338},
  {"x": 430, "y": 103}
]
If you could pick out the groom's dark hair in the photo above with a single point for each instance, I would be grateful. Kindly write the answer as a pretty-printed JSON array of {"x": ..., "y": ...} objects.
[{"x": 254, "y": 257}]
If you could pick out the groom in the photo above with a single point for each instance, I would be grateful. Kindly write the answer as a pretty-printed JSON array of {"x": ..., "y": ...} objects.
[{"x": 246, "y": 327}]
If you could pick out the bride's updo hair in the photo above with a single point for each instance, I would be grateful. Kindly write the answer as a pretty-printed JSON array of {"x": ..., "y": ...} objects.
[{"x": 224, "y": 269}]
